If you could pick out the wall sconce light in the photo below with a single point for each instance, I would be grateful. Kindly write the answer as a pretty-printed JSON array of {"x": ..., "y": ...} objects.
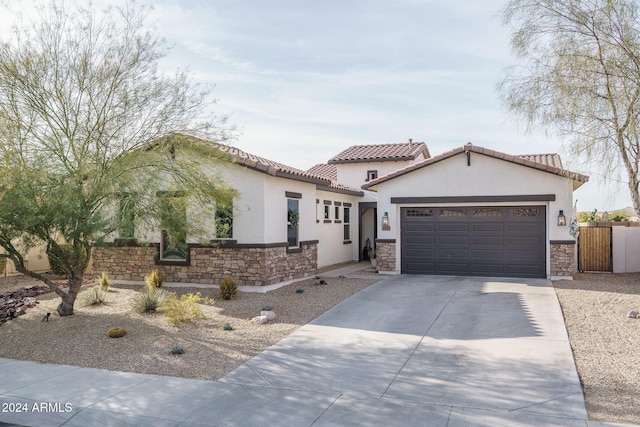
[
  {"x": 562, "y": 220},
  {"x": 385, "y": 221}
]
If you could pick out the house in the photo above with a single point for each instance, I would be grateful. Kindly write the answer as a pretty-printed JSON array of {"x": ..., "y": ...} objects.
[
  {"x": 475, "y": 211},
  {"x": 470, "y": 211}
]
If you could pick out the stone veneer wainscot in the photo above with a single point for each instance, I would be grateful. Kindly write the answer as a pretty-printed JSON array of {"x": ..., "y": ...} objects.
[
  {"x": 257, "y": 265},
  {"x": 386, "y": 254},
  {"x": 563, "y": 258}
]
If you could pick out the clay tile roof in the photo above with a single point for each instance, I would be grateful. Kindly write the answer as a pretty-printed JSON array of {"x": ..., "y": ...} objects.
[
  {"x": 549, "y": 159},
  {"x": 381, "y": 153},
  {"x": 326, "y": 170},
  {"x": 270, "y": 167},
  {"x": 545, "y": 162}
]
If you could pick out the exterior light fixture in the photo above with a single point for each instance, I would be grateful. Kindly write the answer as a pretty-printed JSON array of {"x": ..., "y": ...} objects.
[
  {"x": 385, "y": 221},
  {"x": 562, "y": 220}
]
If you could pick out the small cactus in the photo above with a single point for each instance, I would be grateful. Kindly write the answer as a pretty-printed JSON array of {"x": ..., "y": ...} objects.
[
  {"x": 299, "y": 291},
  {"x": 177, "y": 350},
  {"x": 227, "y": 327},
  {"x": 117, "y": 332},
  {"x": 266, "y": 308}
]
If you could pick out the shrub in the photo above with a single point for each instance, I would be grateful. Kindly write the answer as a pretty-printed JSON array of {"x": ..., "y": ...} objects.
[
  {"x": 148, "y": 300},
  {"x": 117, "y": 332},
  {"x": 228, "y": 289},
  {"x": 104, "y": 282},
  {"x": 177, "y": 350},
  {"x": 154, "y": 279},
  {"x": 93, "y": 296},
  {"x": 183, "y": 309},
  {"x": 227, "y": 327}
]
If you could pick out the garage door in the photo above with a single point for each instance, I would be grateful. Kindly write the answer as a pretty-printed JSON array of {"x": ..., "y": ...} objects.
[{"x": 474, "y": 241}]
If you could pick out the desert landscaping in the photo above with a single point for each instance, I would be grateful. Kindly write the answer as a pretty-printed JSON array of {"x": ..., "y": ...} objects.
[{"x": 595, "y": 306}]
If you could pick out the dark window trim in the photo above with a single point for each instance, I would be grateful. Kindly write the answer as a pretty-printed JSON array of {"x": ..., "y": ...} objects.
[
  {"x": 317, "y": 201},
  {"x": 294, "y": 250},
  {"x": 337, "y": 203},
  {"x": 327, "y": 202},
  {"x": 374, "y": 171},
  {"x": 346, "y": 242},
  {"x": 338, "y": 221},
  {"x": 293, "y": 195},
  {"x": 385, "y": 240},
  {"x": 476, "y": 199},
  {"x": 327, "y": 221},
  {"x": 346, "y": 204}
]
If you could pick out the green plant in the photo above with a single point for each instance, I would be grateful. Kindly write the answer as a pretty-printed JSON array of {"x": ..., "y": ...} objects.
[
  {"x": 227, "y": 327},
  {"x": 148, "y": 300},
  {"x": 266, "y": 308},
  {"x": 93, "y": 296},
  {"x": 117, "y": 332},
  {"x": 183, "y": 309},
  {"x": 177, "y": 350},
  {"x": 374, "y": 255},
  {"x": 104, "y": 282},
  {"x": 155, "y": 279},
  {"x": 293, "y": 217},
  {"x": 228, "y": 288},
  {"x": 299, "y": 291}
]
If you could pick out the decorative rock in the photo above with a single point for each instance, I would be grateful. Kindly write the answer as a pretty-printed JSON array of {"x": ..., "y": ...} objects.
[
  {"x": 260, "y": 319},
  {"x": 633, "y": 314},
  {"x": 269, "y": 314}
]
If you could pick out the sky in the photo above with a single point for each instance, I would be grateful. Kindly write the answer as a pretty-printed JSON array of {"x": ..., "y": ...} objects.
[{"x": 304, "y": 79}]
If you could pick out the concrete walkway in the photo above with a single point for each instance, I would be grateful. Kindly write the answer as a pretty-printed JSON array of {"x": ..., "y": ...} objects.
[{"x": 407, "y": 351}]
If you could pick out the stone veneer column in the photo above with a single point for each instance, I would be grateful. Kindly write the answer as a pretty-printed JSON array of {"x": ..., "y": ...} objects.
[
  {"x": 386, "y": 255},
  {"x": 563, "y": 258}
]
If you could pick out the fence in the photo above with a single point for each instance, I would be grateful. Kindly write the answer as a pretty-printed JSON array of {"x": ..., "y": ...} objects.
[{"x": 609, "y": 247}]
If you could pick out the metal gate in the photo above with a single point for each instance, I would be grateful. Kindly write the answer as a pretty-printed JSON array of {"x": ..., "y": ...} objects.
[{"x": 594, "y": 249}]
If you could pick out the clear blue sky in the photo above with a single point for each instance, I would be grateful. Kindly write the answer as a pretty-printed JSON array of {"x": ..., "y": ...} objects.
[{"x": 304, "y": 79}]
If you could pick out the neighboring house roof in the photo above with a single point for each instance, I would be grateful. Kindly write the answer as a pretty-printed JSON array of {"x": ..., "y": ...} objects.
[
  {"x": 381, "y": 153},
  {"x": 545, "y": 163}
]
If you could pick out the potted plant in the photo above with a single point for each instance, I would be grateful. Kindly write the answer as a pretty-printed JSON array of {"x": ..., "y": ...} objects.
[{"x": 374, "y": 259}]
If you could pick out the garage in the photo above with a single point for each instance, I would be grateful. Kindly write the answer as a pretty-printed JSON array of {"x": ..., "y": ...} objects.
[{"x": 474, "y": 241}]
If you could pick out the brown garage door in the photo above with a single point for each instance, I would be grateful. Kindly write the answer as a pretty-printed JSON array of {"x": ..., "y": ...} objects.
[{"x": 474, "y": 241}]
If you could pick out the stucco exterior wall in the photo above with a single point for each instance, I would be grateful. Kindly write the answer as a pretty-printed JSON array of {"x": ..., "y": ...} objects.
[
  {"x": 332, "y": 247},
  {"x": 355, "y": 174},
  {"x": 486, "y": 176},
  {"x": 626, "y": 247}
]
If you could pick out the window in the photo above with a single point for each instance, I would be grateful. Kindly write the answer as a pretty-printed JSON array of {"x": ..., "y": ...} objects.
[
  {"x": 371, "y": 175},
  {"x": 293, "y": 218},
  {"x": 326, "y": 212},
  {"x": 347, "y": 218},
  {"x": 173, "y": 226},
  {"x": 224, "y": 220},
  {"x": 126, "y": 217},
  {"x": 336, "y": 212}
]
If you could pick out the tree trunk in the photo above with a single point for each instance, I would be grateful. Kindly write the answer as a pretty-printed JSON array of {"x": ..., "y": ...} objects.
[{"x": 65, "y": 308}]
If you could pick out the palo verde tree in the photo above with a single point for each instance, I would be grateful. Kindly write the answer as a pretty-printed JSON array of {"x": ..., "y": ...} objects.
[
  {"x": 579, "y": 77},
  {"x": 90, "y": 130}
]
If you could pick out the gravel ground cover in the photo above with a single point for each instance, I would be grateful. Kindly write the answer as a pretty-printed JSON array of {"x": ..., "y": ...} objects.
[
  {"x": 605, "y": 342},
  {"x": 210, "y": 352}
]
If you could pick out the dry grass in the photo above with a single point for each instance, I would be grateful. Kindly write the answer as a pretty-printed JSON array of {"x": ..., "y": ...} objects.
[
  {"x": 210, "y": 351},
  {"x": 605, "y": 342}
]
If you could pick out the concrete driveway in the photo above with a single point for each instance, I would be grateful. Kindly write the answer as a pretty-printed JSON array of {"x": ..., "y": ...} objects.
[
  {"x": 432, "y": 350},
  {"x": 407, "y": 351}
]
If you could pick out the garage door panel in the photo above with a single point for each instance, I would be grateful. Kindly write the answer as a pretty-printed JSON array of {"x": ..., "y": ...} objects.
[
  {"x": 487, "y": 240},
  {"x": 490, "y": 228},
  {"x": 500, "y": 241},
  {"x": 488, "y": 254},
  {"x": 449, "y": 239},
  {"x": 421, "y": 239},
  {"x": 453, "y": 268},
  {"x": 444, "y": 252}
]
